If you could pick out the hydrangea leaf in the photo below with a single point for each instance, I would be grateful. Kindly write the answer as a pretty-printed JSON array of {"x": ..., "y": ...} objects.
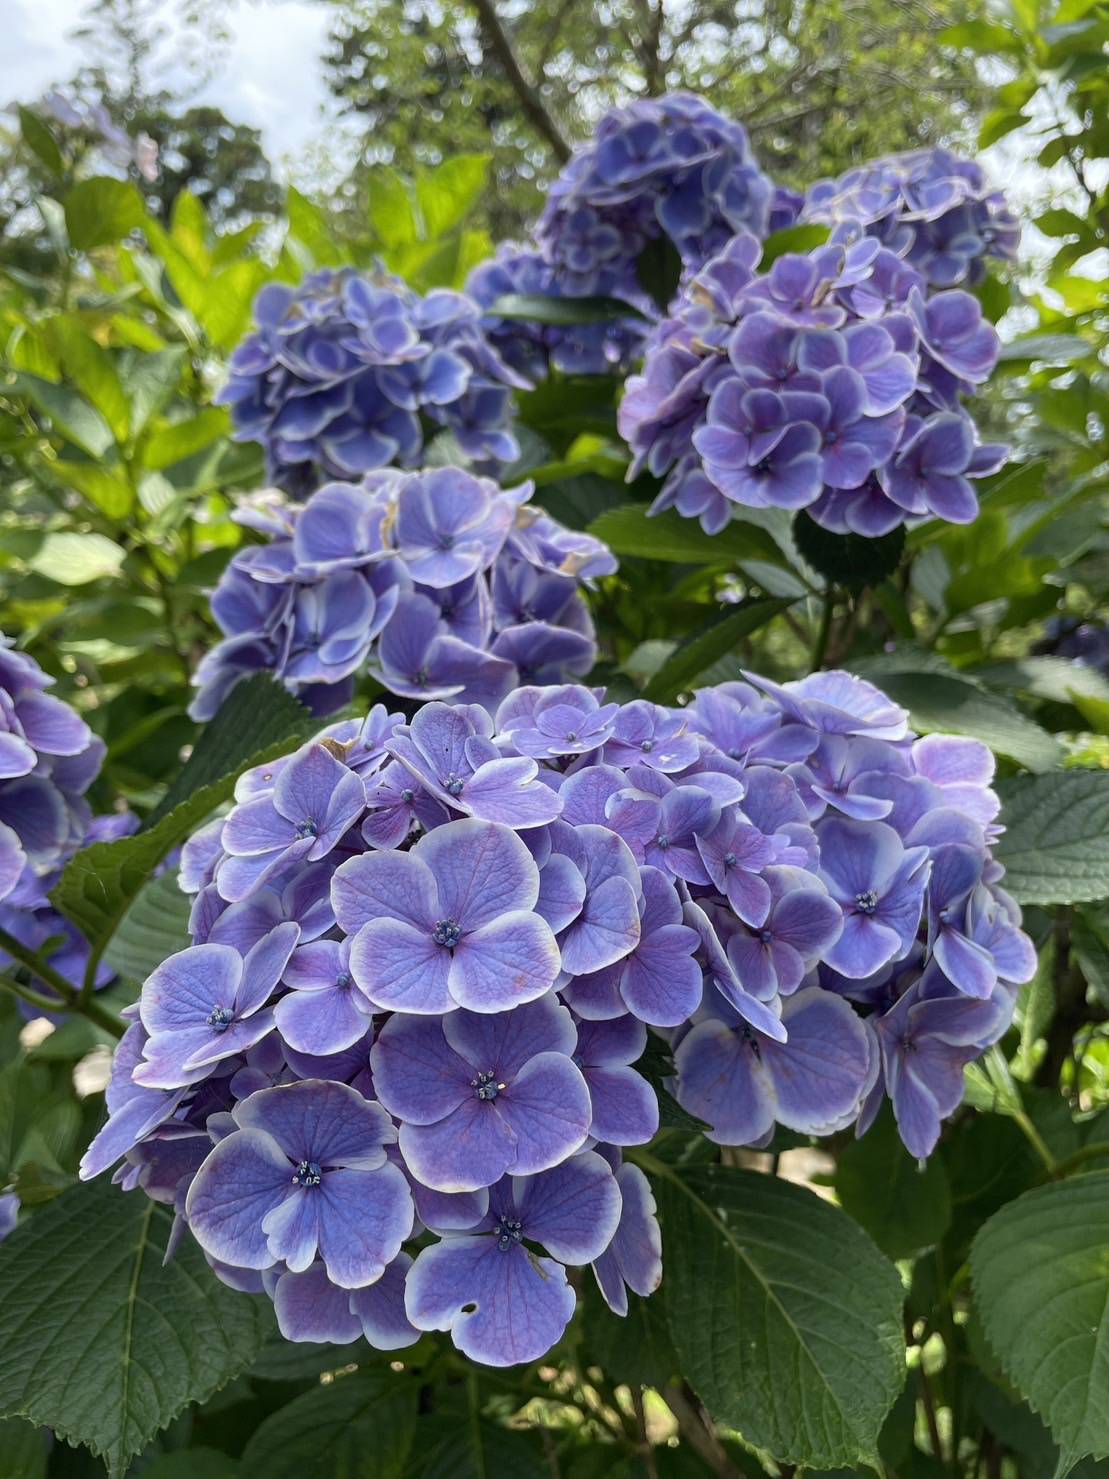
[
  {"x": 946, "y": 703},
  {"x": 851, "y": 560},
  {"x": 259, "y": 721},
  {"x": 538, "y": 308},
  {"x": 101, "y": 1341},
  {"x": 786, "y": 1316},
  {"x": 358, "y": 1424},
  {"x": 1041, "y": 1284},
  {"x": 667, "y": 536},
  {"x": 802, "y": 238},
  {"x": 464, "y": 1447},
  {"x": 155, "y": 926},
  {"x": 1056, "y": 847},
  {"x": 712, "y": 642},
  {"x": 902, "y": 1205}
]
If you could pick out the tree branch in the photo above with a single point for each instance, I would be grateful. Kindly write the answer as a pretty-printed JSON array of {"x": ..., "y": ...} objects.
[{"x": 530, "y": 101}]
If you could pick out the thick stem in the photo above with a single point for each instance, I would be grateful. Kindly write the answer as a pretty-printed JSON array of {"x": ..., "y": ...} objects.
[
  {"x": 697, "y": 1432},
  {"x": 528, "y": 95}
]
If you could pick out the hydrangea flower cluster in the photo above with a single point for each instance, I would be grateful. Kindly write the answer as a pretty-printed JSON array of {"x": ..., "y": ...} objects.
[
  {"x": 932, "y": 209},
  {"x": 534, "y": 349},
  {"x": 833, "y": 382},
  {"x": 393, "y": 1080},
  {"x": 48, "y": 760},
  {"x": 349, "y": 372},
  {"x": 444, "y": 584},
  {"x": 671, "y": 168}
]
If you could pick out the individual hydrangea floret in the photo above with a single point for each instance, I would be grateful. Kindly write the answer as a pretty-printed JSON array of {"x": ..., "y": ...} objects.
[
  {"x": 440, "y": 583},
  {"x": 439, "y": 964},
  {"x": 668, "y": 169},
  {"x": 933, "y": 209},
  {"x": 343, "y": 373},
  {"x": 829, "y": 383}
]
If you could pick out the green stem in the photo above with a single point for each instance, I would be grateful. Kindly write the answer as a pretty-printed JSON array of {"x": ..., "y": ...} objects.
[
  {"x": 1081, "y": 1156},
  {"x": 1036, "y": 1140},
  {"x": 70, "y": 999},
  {"x": 823, "y": 631}
]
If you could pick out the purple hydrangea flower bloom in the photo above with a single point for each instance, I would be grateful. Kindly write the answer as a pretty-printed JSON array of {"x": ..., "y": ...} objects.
[
  {"x": 926, "y": 1042},
  {"x": 449, "y": 924},
  {"x": 879, "y": 885},
  {"x": 304, "y": 1175},
  {"x": 605, "y": 927},
  {"x": 647, "y": 734},
  {"x": 133, "y": 1112},
  {"x": 314, "y": 801},
  {"x": 633, "y": 1260},
  {"x": 742, "y": 1083},
  {"x": 208, "y": 1003},
  {"x": 625, "y": 1107},
  {"x": 502, "y": 1304},
  {"x": 450, "y": 752},
  {"x": 549, "y": 722},
  {"x": 799, "y": 928},
  {"x": 482, "y": 1096},
  {"x": 325, "y": 1012}
]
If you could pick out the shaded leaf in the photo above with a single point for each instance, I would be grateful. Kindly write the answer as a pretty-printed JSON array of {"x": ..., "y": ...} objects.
[{"x": 1056, "y": 846}]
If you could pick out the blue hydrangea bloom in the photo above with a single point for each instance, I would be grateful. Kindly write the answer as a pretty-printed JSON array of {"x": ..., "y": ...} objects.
[
  {"x": 439, "y": 583},
  {"x": 390, "y": 1083},
  {"x": 834, "y": 382},
  {"x": 341, "y": 372},
  {"x": 669, "y": 167}
]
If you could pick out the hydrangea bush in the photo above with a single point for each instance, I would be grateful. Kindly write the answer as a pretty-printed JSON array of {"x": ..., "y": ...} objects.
[{"x": 400, "y": 1054}]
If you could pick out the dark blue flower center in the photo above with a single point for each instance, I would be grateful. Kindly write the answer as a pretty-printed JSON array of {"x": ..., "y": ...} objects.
[
  {"x": 446, "y": 541},
  {"x": 421, "y": 677},
  {"x": 408, "y": 795},
  {"x": 307, "y": 1173},
  {"x": 730, "y": 860},
  {"x": 485, "y": 1086},
  {"x": 447, "y": 932},
  {"x": 571, "y": 736},
  {"x": 867, "y": 902},
  {"x": 509, "y": 1232},
  {"x": 766, "y": 936},
  {"x": 454, "y": 785},
  {"x": 343, "y": 979},
  {"x": 662, "y": 841},
  {"x": 646, "y": 746},
  {"x": 735, "y": 753},
  {"x": 307, "y": 828},
  {"x": 750, "y": 1040},
  {"x": 220, "y": 1018}
]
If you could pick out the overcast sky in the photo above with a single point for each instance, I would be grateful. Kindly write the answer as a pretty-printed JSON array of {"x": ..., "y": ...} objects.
[{"x": 268, "y": 77}]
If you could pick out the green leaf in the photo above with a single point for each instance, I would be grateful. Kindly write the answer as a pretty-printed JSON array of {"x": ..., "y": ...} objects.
[
  {"x": 447, "y": 194},
  {"x": 76, "y": 559},
  {"x": 538, "y": 308},
  {"x": 1056, "y": 845},
  {"x": 101, "y": 1341},
  {"x": 101, "y": 211},
  {"x": 466, "y": 1447},
  {"x": 1041, "y": 1284},
  {"x": 1053, "y": 348},
  {"x": 40, "y": 141},
  {"x": 154, "y": 927},
  {"x": 23, "y": 1449},
  {"x": 91, "y": 371},
  {"x": 904, "y": 1205},
  {"x": 192, "y": 1463},
  {"x": 182, "y": 439},
  {"x": 105, "y": 488},
  {"x": 73, "y": 418},
  {"x": 997, "y": 124},
  {"x": 713, "y": 642},
  {"x": 150, "y": 380},
  {"x": 667, "y": 536},
  {"x": 948, "y": 704},
  {"x": 658, "y": 269},
  {"x": 259, "y": 721},
  {"x": 980, "y": 36},
  {"x": 359, "y": 1426},
  {"x": 786, "y": 1316},
  {"x": 848, "y": 559},
  {"x": 791, "y": 239},
  {"x": 1053, "y": 678},
  {"x": 390, "y": 208}
]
